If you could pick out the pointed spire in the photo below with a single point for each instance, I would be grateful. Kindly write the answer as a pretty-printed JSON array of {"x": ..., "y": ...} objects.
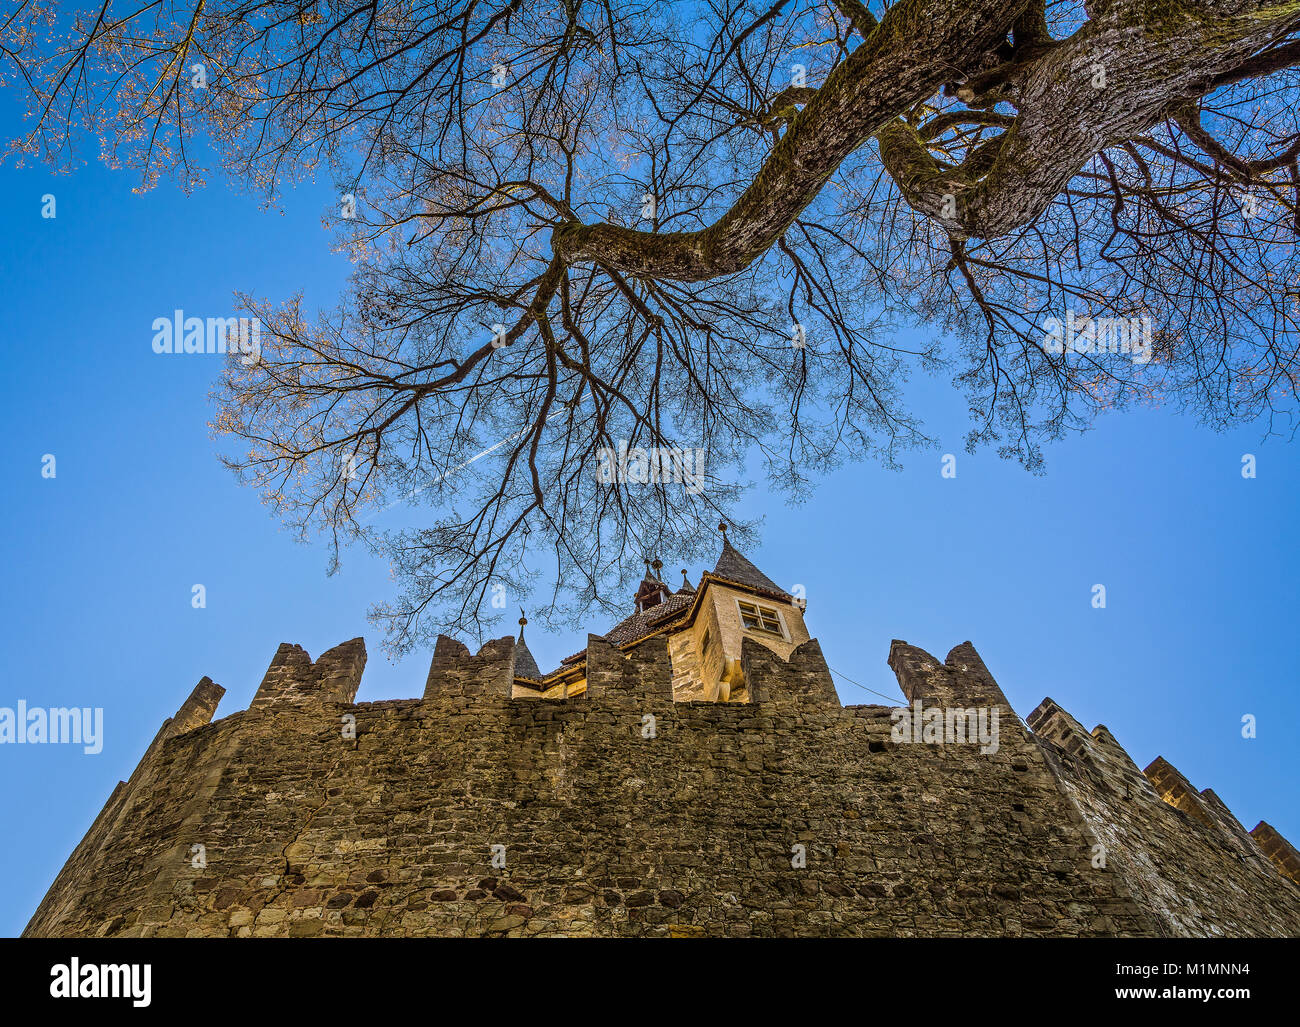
[
  {"x": 525, "y": 665},
  {"x": 734, "y": 567}
]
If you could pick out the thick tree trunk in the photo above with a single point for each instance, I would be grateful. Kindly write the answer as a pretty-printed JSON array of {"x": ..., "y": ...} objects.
[
  {"x": 1114, "y": 78},
  {"x": 918, "y": 46}
]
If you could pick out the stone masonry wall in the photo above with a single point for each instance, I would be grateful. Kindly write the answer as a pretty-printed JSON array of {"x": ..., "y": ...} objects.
[
  {"x": 1181, "y": 853},
  {"x": 622, "y": 812}
]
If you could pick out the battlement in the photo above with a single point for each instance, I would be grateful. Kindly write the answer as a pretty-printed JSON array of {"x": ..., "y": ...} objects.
[
  {"x": 961, "y": 680},
  {"x": 1279, "y": 850},
  {"x": 804, "y": 678},
  {"x": 620, "y": 809},
  {"x": 1205, "y": 806},
  {"x": 1180, "y": 851},
  {"x": 454, "y": 671},
  {"x": 292, "y": 676},
  {"x": 645, "y": 672},
  {"x": 1100, "y": 760},
  {"x": 607, "y": 670},
  {"x": 1095, "y": 754}
]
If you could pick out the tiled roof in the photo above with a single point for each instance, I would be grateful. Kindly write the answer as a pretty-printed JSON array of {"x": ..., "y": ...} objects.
[
  {"x": 525, "y": 665},
  {"x": 644, "y": 621},
  {"x": 734, "y": 567}
]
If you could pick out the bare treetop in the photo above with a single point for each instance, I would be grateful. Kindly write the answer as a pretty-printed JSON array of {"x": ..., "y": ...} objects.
[{"x": 609, "y": 256}]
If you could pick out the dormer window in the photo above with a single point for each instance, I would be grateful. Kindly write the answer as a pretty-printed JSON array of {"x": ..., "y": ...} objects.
[{"x": 761, "y": 618}]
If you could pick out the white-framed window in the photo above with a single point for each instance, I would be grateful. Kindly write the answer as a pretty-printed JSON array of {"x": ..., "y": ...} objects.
[{"x": 763, "y": 619}]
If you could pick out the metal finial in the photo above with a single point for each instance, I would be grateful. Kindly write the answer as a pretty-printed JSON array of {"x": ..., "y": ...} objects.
[
  {"x": 658, "y": 565},
  {"x": 523, "y": 619},
  {"x": 685, "y": 580},
  {"x": 722, "y": 527}
]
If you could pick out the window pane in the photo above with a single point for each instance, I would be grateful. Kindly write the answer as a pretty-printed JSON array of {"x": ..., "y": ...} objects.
[{"x": 760, "y": 618}]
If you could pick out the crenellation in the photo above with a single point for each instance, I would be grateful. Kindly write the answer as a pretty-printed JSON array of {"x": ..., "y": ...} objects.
[
  {"x": 920, "y": 675},
  {"x": 489, "y": 672},
  {"x": 1053, "y": 724},
  {"x": 1232, "y": 830},
  {"x": 79, "y": 876},
  {"x": 199, "y": 708},
  {"x": 606, "y": 799},
  {"x": 290, "y": 668},
  {"x": 973, "y": 685},
  {"x": 1095, "y": 753},
  {"x": 293, "y": 677},
  {"x": 961, "y": 680},
  {"x": 1280, "y": 851},
  {"x": 645, "y": 671},
  {"x": 1175, "y": 789},
  {"x": 1180, "y": 853},
  {"x": 802, "y": 679},
  {"x": 338, "y": 671}
]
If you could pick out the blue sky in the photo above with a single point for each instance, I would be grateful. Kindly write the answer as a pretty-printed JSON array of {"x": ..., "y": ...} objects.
[{"x": 1199, "y": 564}]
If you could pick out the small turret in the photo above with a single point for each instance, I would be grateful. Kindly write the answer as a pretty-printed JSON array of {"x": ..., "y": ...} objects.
[
  {"x": 652, "y": 591},
  {"x": 525, "y": 665}
]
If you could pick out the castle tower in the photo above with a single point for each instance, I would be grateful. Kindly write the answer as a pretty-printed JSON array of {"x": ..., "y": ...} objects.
[
  {"x": 733, "y": 602},
  {"x": 705, "y": 627}
]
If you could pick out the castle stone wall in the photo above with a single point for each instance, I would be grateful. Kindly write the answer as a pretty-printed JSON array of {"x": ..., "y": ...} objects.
[
  {"x": 621, "y": 812},
  {"x": 1182, "y": 854}
]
